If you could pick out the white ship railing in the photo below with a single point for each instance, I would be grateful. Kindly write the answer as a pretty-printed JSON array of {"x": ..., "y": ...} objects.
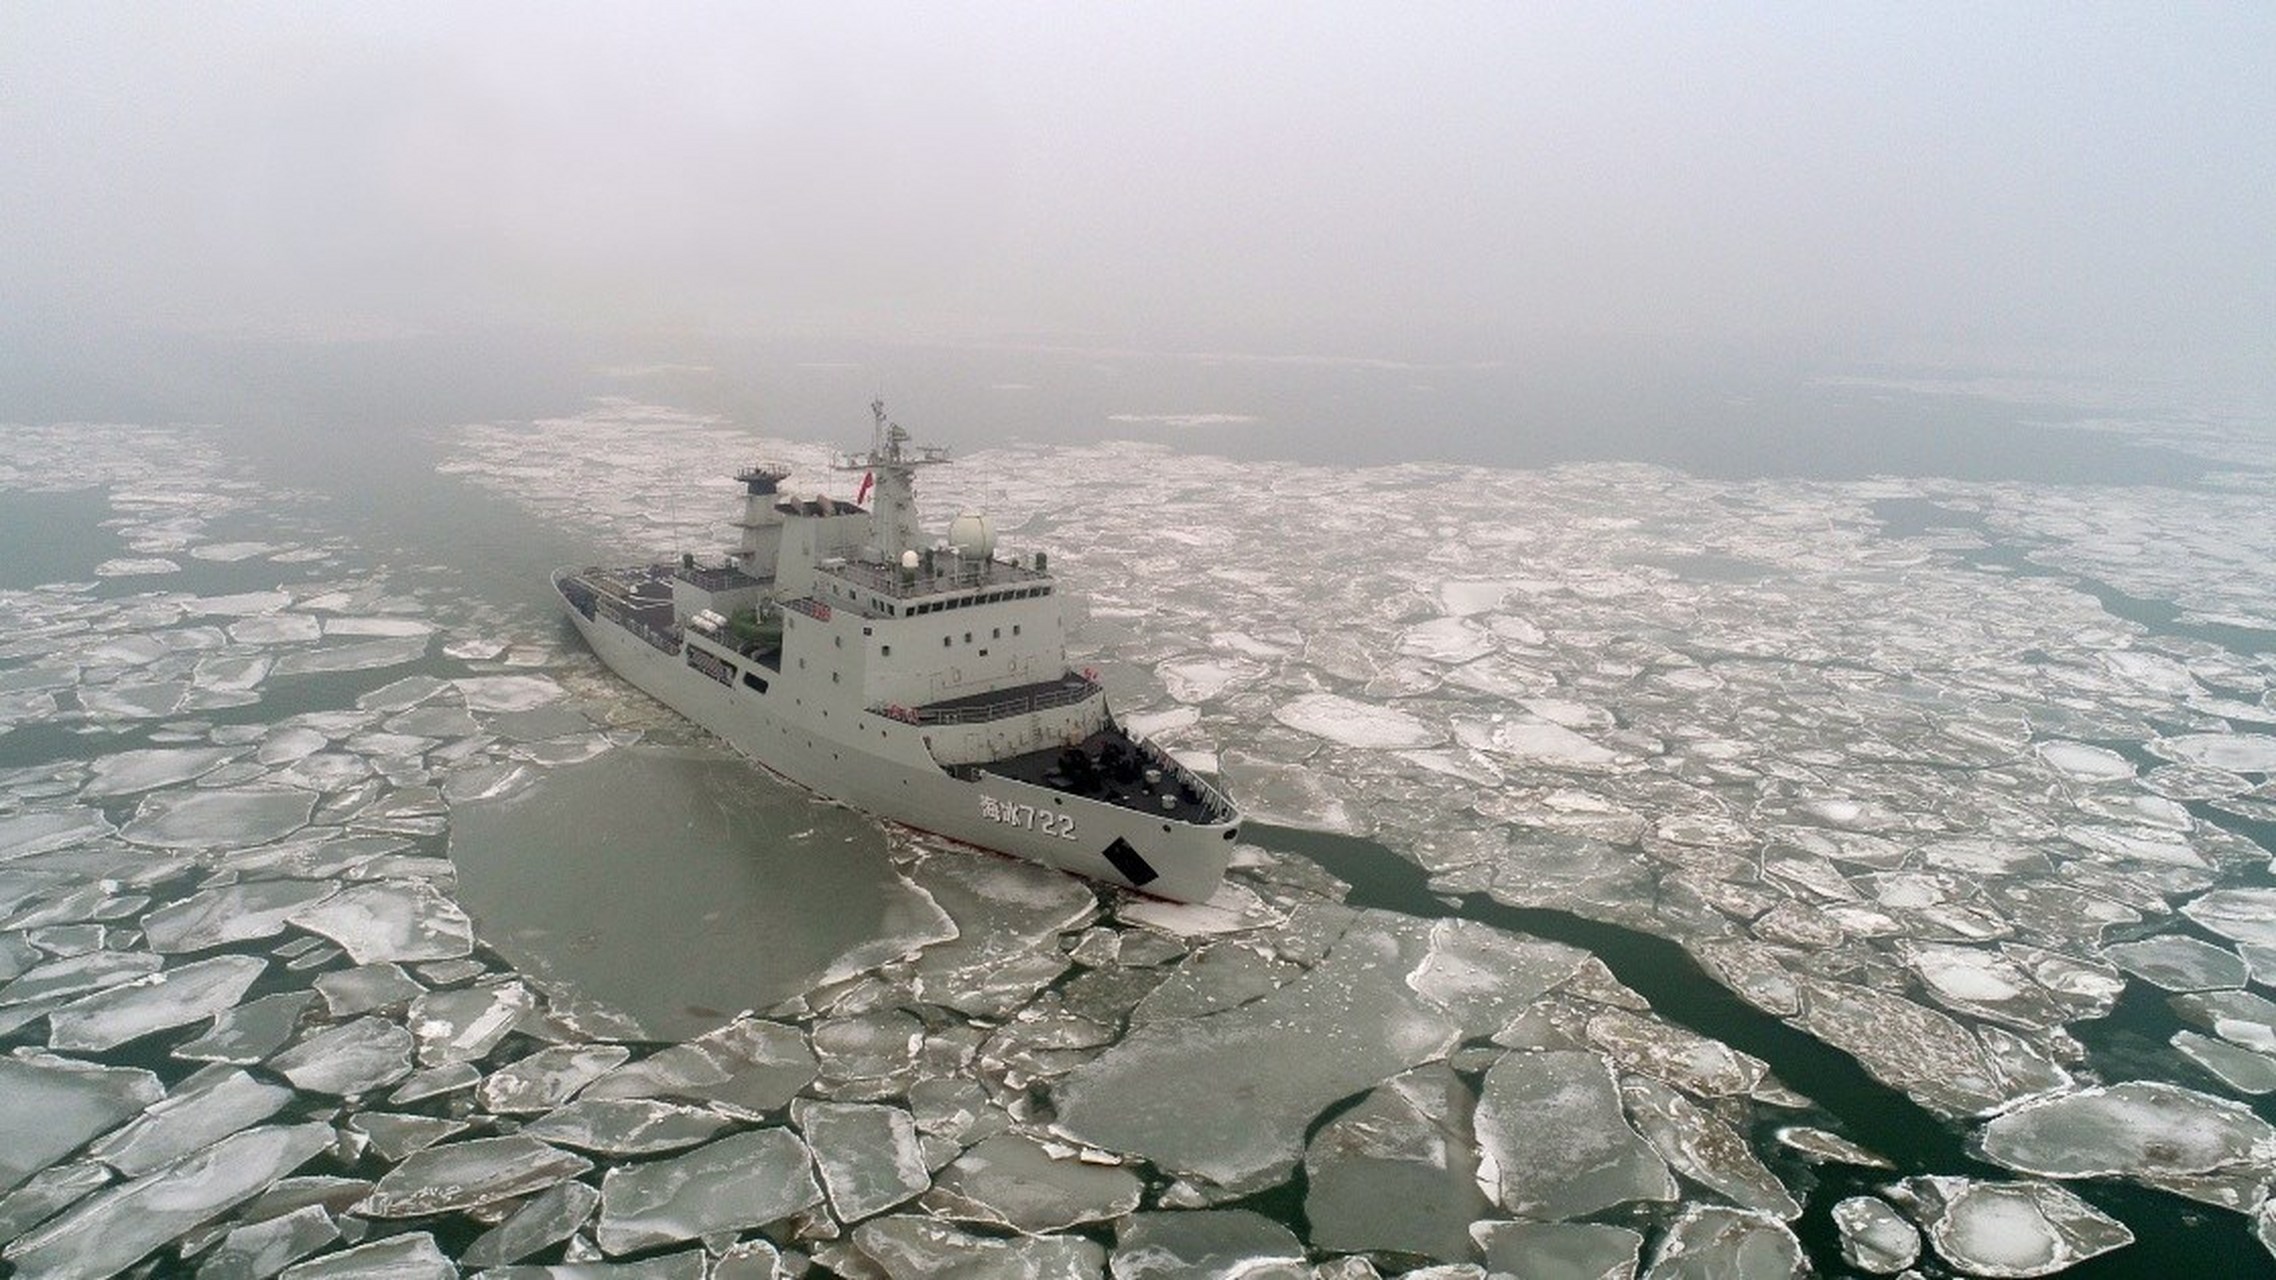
[
  {"x": 1219, "y": 805},
  {"x": 1058, "y": 695}
]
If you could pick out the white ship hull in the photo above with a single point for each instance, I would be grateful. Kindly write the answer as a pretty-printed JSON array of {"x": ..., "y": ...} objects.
[{"x": 884, "y": 766}]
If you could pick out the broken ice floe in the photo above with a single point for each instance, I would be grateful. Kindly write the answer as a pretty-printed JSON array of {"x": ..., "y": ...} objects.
[
  {"x": 1209, "y": 1243},
  {"x": 547, "y": 1218},
  {"x": 113, "y": 1228},
  {"x": 2160, "y": 1134},
  {"x": 1355, "y": 724},
  {"x": 1242, "y": 1139},
  {"x": 414, "y": 1256},
  {"x": 909, "y": 1247},
  {"x": 1550, "y": 1125},
  {"x": 747, "y": 1068},
  {"x": 390, "y": 920},
  {"x": 626, "y": 1126},
  {"x": 1874, "y": 1236},
  {"x": 461, "y": 1175},
  {"x": 50, "y": 1106},
  {"x": 207, "y": 1107},
  {"x": 2010, "y": 1229},
  {"x": 1399, "y": 1171},
  {"x": 549, "y": 1077},
  {"x": 170, "y": 998},
  {"x": 231, "y": 913},
  {"x": 351, "y": 1059},
  {"x": 739, "y": 1181},
  {"x": 1708, "y": 1242},
  {"x": 1012, "y": 1181},
  {"x": 867, "y": 1155},
  {"x": 217, "y": 819}
]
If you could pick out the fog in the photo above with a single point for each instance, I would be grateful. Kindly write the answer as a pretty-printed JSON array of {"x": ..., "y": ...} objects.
[{"x": 1942, "y": 182}]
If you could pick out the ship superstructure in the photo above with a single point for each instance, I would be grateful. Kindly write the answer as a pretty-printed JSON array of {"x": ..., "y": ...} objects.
[{"x": 923, "y": 680}]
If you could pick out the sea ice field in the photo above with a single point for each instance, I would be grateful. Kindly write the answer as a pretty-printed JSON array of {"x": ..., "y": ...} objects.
[{"x": 1645, "y": 876}]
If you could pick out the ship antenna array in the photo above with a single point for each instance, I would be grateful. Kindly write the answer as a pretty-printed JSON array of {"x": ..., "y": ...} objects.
[
  {"x": 886, "y": 443},
  {"x": 887, "y": 437}
]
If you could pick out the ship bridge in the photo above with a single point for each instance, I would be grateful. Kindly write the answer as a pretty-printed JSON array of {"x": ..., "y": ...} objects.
[{"x": 894, "y": 592}]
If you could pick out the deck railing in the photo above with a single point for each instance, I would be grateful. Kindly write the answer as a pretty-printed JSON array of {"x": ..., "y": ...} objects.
[{"x": 1018, "y": 704}]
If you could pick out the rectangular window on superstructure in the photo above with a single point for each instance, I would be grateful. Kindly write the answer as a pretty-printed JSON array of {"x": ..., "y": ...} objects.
[{"x": 751, "y": 680}]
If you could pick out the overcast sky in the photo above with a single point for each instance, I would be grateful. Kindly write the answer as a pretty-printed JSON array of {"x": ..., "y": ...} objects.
[{"x": 1277, "y": 178}]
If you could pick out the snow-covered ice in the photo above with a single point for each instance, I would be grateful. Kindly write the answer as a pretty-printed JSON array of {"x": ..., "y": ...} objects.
[{"x": 1355, "y": 724}]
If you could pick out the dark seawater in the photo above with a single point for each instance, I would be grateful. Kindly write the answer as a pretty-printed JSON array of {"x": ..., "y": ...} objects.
[{"x": 53, "y": 537}]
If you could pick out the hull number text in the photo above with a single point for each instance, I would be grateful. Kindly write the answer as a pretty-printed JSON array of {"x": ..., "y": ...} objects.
[{"x": 1061, "y": 825}]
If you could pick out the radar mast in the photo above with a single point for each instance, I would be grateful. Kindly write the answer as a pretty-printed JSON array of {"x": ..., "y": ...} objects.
[{"x": 892, "y": 463}]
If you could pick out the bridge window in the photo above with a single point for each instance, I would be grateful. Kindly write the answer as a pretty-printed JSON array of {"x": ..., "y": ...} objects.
[{"x": 752, "y": 681}]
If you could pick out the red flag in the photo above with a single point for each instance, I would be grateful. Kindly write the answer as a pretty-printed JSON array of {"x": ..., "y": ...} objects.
[{"x": 868, "y": 478}]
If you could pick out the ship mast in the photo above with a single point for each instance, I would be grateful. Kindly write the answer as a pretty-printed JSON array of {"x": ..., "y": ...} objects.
[{"x": 892, "y": 463}]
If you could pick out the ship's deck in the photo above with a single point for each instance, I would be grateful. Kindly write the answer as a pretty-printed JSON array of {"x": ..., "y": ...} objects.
[
  {"x": 1110, "y": 766},
  {"x": 996, "y": 704},
  {"x": 644, "y": 593}
]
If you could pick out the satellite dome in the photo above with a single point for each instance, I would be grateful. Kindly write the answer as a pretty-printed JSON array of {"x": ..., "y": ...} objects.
[
  {"x": 972, "y": 535},
  {"x": 908, "y": 559}
]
